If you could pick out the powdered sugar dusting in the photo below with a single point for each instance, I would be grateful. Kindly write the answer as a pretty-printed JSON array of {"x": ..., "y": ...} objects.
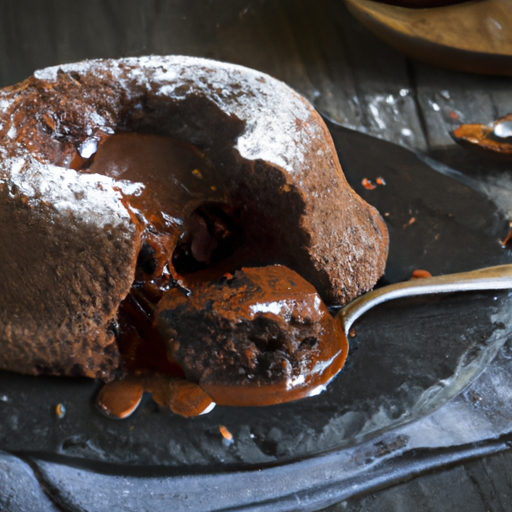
[
  {"x": 270, "y": 108},
  {"x": 49, "y": 74},
  {"x": 277, "y": 127},
  {"x": 276, "y": 308},
  {"x": 90, "y": 199}
]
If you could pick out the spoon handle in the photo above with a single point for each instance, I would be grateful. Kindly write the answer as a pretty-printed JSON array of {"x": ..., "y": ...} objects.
[{"x": 489, "y": 278}]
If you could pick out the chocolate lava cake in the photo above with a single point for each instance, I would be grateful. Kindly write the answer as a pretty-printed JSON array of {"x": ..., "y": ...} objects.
[{"x": 267, "y": 188}]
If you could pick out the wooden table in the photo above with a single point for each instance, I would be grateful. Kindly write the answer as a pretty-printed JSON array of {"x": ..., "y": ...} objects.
[{"x": 346, "y": 72}]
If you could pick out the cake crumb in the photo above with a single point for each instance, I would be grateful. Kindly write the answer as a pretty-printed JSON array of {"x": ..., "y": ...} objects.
[
  {"x": 420, "y": 274},
  {"x": 367, "y": 184},
  {"x": 226, "y": 434},
  {"x": 60, "y": 411},
  {"x": 412, "y": 220}
]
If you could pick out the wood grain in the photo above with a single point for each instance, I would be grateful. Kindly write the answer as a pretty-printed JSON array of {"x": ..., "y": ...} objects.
[
  {"x": 480, "y": 485},
  {"x": 316, "y": 47}
]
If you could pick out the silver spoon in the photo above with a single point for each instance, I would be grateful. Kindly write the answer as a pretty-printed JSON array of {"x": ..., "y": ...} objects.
[{"x": 489, "y": 278}]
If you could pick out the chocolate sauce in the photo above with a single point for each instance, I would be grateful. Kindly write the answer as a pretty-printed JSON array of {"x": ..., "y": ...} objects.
[
  {"x": 181, "y": 396},
  {"x": 175, "y": 185},
  {"x": 188, "y": 234},
  {"x": 175, "y": 180},
  {"x": 177, "y": 206},
  {"x": 120, "y": 398}
]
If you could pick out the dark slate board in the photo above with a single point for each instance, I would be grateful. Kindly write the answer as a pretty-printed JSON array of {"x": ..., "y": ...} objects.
[
  {"x": 321, "y": 51},
  {"x": 400, "y": 354}
]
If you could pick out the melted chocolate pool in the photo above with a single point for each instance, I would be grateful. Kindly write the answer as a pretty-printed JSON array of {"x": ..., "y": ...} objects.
[{"x": 189, "y": 236}]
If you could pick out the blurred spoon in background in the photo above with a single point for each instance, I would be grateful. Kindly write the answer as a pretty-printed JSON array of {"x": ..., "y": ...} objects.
[{"x": 474, "y": 36}]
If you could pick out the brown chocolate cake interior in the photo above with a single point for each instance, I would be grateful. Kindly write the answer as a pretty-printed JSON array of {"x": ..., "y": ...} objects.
[{"x": 258, "y": 337}]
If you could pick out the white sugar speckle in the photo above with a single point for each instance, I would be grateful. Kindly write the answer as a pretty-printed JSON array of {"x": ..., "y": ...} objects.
[
  {"x": 49, "y": 74},
  {"x": 88, "y": 147}
]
